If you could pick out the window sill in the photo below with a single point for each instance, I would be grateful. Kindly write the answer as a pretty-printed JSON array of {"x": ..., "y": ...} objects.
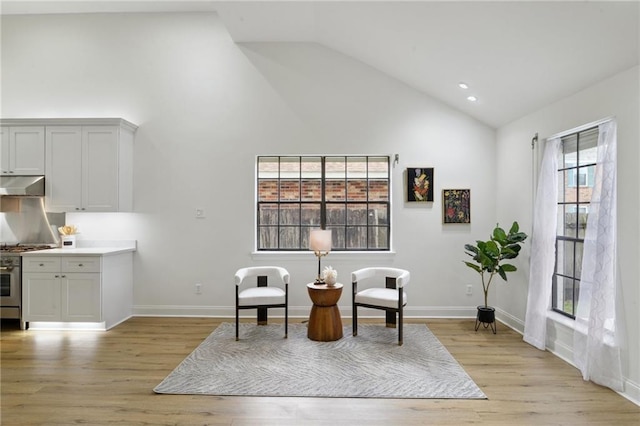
[
  {"x": 561, "y": 319},
  {"x": 573, "y": 325},
  {"x": 298, "y": 255}
]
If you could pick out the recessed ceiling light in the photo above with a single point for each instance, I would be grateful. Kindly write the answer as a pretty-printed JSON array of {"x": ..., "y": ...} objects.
[
  {"x": 463, "y": 85},
  {"x": 472, "y": 98}
]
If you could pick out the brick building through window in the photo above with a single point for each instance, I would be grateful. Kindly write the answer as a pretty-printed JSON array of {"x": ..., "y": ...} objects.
[{"x": 348, "y": 195}]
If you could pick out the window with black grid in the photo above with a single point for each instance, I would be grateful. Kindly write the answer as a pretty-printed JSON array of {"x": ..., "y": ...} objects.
[
  {"x": 348, "y": 195},
  {"x": 576, "y": 173}
]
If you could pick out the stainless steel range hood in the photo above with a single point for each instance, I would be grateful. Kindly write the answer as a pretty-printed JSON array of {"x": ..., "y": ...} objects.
[{"x": 32, "y": 186}]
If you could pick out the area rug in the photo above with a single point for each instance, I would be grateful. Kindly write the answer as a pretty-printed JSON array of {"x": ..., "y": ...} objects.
[{"x": 370, "y": 365}]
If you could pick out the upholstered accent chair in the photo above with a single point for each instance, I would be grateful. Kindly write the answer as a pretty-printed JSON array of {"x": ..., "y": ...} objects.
[
  {"x": 380, "y": 288},
  {"x": 270, "y": 289}
]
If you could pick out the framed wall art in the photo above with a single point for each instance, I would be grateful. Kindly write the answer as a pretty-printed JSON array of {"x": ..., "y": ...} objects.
[
  {"x": 456, "y": 205},
  {"x": 420, "y": 184}
]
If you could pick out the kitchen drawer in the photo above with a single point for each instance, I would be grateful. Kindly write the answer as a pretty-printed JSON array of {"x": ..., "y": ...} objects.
[
  {"x": 41, "y": 264},
  {"x": 80, "y": 264}
]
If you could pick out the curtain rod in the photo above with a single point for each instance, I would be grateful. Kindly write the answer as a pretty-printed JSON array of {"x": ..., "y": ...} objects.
[{"x": 581, "y": 128}]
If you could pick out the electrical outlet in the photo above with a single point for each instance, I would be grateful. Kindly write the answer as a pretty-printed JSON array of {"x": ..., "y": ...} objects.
[
  {"x": 198, "y": 288},
  {"x": 469, "y": 289},
  {"x": 200, "y": 214}
]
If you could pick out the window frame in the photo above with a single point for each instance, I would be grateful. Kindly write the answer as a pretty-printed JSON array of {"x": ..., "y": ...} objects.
[
  {"x": 573, "y": 172},
  {"x": 323, "y": 203}
]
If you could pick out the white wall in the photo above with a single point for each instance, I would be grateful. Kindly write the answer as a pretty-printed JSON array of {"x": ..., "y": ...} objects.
[
  {"x": 617, "y": 96},
  {"x": 206, "y": 107}
]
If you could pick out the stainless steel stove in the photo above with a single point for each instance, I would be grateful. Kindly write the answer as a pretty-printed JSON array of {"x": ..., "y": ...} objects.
[{"x": 11, "y": 278}]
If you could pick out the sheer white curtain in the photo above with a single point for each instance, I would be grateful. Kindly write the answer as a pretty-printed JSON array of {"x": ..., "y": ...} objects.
[
  {"x": 543, "y": 247},
  {"x": 598, "y": 335}
]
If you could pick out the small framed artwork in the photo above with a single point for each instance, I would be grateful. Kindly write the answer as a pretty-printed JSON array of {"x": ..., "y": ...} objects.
[
  {"x": 456, "y": 205},
  {"x": 420, "y": 184}
]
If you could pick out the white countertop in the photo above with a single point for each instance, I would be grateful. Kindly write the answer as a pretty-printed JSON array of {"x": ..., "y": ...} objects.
[{"x": 89, "y": 248}]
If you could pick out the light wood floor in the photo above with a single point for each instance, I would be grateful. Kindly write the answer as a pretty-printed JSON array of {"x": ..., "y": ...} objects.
[{"x": 101, "y": 378}]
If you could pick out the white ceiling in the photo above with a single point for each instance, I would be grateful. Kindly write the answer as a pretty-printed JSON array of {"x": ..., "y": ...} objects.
[{"x": 516, "y": 56}]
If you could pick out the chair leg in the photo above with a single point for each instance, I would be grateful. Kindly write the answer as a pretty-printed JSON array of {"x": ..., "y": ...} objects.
[
  {"x": 400, "y": 317},
  {"x": 355, "y": 320},
  {"x": 237, "y": 316},
  {"x": 263, "y": 313},
  {"x": 401, "y": 303},
  {"x": 390, "y": 319},
  {"x": 286, "y": 310},
  {"x": 237, "y": 324},
  {"x": 354, "y": 308}
]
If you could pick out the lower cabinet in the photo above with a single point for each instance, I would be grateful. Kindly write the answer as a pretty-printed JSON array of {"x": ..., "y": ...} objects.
[
  {"x": 62, "y": 296},
  {"x": 68, "y": 289},
  {"x": 41, "y": 297}
]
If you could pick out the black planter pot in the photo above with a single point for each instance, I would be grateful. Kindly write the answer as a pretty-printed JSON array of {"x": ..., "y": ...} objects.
[{"x": 487, "y": 317}]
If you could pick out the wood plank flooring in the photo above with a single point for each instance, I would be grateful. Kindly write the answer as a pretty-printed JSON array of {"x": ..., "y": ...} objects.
[{"x": 104, "y": 378}]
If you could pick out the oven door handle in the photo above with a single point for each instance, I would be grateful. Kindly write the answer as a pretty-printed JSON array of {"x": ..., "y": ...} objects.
[{"x": 6, "y": 268}]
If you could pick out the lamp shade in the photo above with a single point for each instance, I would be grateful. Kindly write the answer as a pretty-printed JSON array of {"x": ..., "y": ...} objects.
[{"x": 320, "y": 240}]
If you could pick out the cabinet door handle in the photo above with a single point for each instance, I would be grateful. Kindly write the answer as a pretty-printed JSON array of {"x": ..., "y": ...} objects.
[
  {"x": 63, "y": 276},
  {"x": 42, "y": 264},
  {"x": 80, "y": 265},
  {"x": 56, "y": 276}
]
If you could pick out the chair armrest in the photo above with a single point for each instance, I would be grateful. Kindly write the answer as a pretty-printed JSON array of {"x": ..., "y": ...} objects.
[
  {"x": 253, "y": 271},
  {"x": 402, "y": 276},
  {"x": 363, "y": 273}
]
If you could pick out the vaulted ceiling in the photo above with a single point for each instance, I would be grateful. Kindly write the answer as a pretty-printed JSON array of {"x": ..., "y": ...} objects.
[{"x": 516, "y": 57}]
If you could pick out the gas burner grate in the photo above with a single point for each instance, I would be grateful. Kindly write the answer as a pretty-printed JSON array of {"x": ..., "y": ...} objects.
[{"x": 20, "y": 248}]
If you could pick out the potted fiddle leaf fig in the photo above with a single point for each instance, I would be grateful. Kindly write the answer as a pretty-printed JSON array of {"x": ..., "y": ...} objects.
[{"x": 489, "y": 260}]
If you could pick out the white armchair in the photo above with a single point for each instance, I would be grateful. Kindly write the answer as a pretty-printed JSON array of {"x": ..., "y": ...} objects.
[
  {"x": 263, "y": 296},
  {"x": 388, "y": 296}
]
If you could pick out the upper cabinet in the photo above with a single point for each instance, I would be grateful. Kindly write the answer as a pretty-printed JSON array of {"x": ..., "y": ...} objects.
[
  {"x": 89, "y": 168},
  {"x": 87, "y": 162},
  {"x": 22, "y": 150}
]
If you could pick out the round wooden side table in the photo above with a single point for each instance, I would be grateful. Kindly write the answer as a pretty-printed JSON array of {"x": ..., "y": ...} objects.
[{"x": 325, "y": 324}]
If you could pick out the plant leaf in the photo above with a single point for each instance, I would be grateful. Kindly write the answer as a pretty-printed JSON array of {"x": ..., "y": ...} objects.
[
  {"x": 499, "y": 234},
  {"x": 471, "y": 248},
  {"x": 514, "y": 228},
  {"x": 508, "y": 267},
  {"x": 517, "y": 237},
  {"x": 510, "y": 251},
  {"x": 491, "y": 249},
  {"x": 502, "y": 273},
  {"x": 474, "y": 267},
  {"x": 489, "y": 263}
]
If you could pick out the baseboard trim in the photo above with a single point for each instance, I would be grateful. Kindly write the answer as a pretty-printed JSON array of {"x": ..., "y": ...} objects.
[
  {"x": 510, "y": 321},
  {"x": 631, "y": 391}
]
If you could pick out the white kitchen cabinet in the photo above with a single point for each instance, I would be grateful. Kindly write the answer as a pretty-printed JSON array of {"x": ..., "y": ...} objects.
[
  {"x": 81, "y": 297},
  {"x": 41, "y": 296},
  {"x": 22, "y": 150},
  {"x": 63, "y": 178},
  {"x": 62, "y": 297},
  {"x": 89, "y": 168},
  {"x": 72, "y": 288},
  {"x": 58, "y": 292}
]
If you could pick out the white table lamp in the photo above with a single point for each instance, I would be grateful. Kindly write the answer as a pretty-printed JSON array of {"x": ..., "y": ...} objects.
[{"x": 320, "y": 244}]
